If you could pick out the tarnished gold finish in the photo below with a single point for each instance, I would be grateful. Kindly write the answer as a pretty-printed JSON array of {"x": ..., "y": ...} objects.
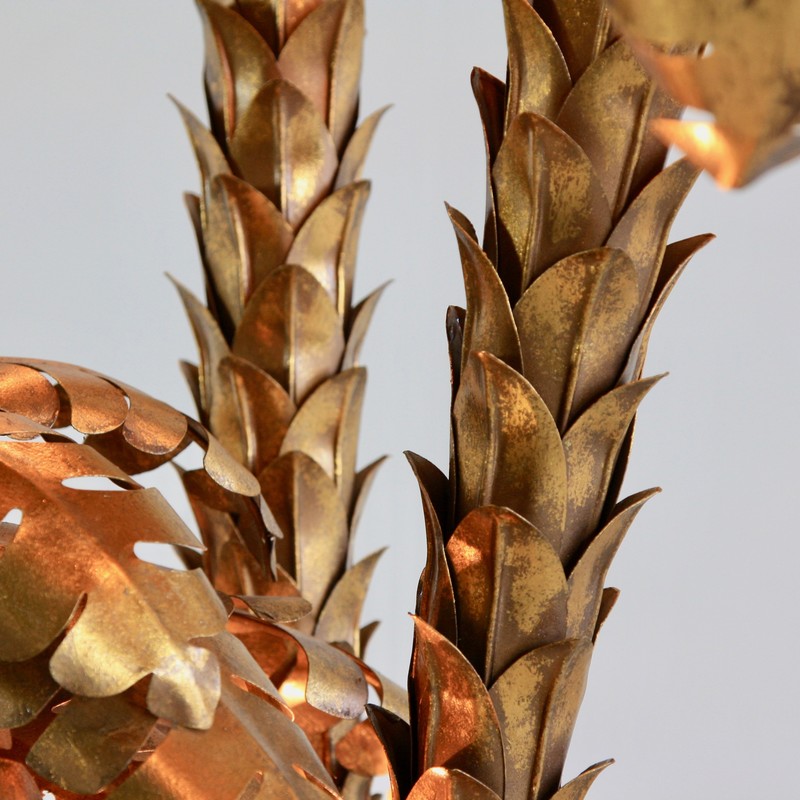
[
  {"x": 747, "y": 78},
  {"x": 547, "y": 377},
  {"x": 277, "y": 222},
  {"x": 117, "y": 676}
]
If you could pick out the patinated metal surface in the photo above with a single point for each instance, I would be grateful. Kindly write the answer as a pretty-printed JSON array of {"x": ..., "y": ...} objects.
[{"x": 748, "y": 78}]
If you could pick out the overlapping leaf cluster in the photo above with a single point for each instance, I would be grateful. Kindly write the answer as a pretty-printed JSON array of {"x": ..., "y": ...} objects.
[
  {"x": 546, "y": 366},
  {"x": 278, "y": 221},
  {"x": 117, "y": 677}
]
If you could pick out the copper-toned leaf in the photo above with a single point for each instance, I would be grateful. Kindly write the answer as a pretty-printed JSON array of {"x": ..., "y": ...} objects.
[
  {"x": 591, "y": 446},
  {"x": 134, "y": 623},
  {"x": 355, "y": 154},
  {"x": 90, "y": 742},
  {"x": 438, "y": 783},
  {"x": 326, "y": 244},
  {"x": 282, "y": 147},
  {"x": 538, "y": 78},
  {"x": 643, "y": 230},
  {"x": 340, "y": 616},
  {"x": 361, "y": 486},
  {"x": 586, "y": 579},
  {"x": 323, "y": 59},
  {"x": 265, "y": 408},
  {"x": 361, "y": 318},
  {"x": 509, "y": 451},
  {"x": 313, "y": 520},
  {"x": 326, "y": 428},
  {"x": 578, "y": 787},
  {"x": 360, "y": 751},
  {"x": 291, "y": 330},
  {"x": 489, "y": 324},
  {"x": 26, "y": 687},
  {"x": 510, "y": 589},
  {"x": 211, "y": 160},
  {"x": 537, "y": 700},
  {"x": 395, "y": 736},
  {"x": 550, "y": 202},
  {"x": 676, "y": 256},
  {"x": 274, "y": 608},
  {"x": 261, "y": 232},
  {"x": 576, "y": 323},
  {"x": 226, "y": 471},
  {"x": 26, "y": 391},
  {"x": 456, "y": 722},
  {"x": 748, "y": 82},
  {"x": 607, "y": 114},
  {"x": 580, "y": 28},
  {"x": 238, "y": 63},
  {"x": 436, "y": 601},
  {"x": 17, "y": 782}
]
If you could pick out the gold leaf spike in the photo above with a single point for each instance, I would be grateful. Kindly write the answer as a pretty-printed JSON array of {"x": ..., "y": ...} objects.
[
  {"x": 438, "y": 783},
  {"x": 550, "y": 202},
  {"x": 323, "y": 59},
  {"x": 361, "y": 752},
  {"x": 456, "y": 723},
  {"x": 339, "y": 619},
  {"x": 326, "y": 244},
  {"x": 90, "y": 742},
  {"x": 361, "y": 486},
  {"x": 334, "y": 682},
  {"x": 436, "y": 602},
  {"x": 355, "y": 154},
  {"x": 676, "y": 256},
  {"x": 72, "y": 552},
  {"x": 26, "y": 391},
  {"x": 748, "y": 88},
  {"x": 591, "y": 446},
  {"x": 586, "y": 579},
  {"x": 607, "y": 602},
  {"x": 17, "y": 782},
  {"x": 282, "y": 147},
  {"x": 276, "y": 608},
  {"x": 26, "y": 687},
  {"x": 238, "y": 63},
  {"x": 261, "y": 232},
  {"x": 576, "y": 323},
  {"x": 643, "y": 230},
  {"x": 326, "y": 428},
  {"x": 538, "y": 78},
  {"x": 394, "y": 734},
  {"x": 221, "y": 466},
  {"x": 510, "y": 589},
  {"x": 489, "y": 324},
  {"x": 607, "y": 114},
  {"x": 360, "y": 319},
  {"x": 537, "y": 699},
  {"x": 266, "y": 411},
  {"x": 508, "y": 448},
  {"x": 580, "y": 28},
  {"x": 291, "y": 330},
  {"x": 578, "y": 787},
  {"x": 267, "y": 17},
  {"x": 310, "y": 514},
  {"x": 250, "y": 751}
]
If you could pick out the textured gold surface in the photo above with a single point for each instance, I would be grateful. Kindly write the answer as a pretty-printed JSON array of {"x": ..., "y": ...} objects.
[{"x": 748, "y": 78}]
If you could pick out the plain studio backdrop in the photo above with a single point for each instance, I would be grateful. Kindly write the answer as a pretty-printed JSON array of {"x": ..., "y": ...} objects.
[{"x": 694, "y": 684}]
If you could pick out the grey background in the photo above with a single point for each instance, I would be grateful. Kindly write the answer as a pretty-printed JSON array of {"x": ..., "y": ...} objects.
[{"x": 694, "y": 687}]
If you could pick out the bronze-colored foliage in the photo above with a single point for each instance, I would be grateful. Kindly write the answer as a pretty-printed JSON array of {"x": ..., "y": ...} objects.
[
  {"x": 277, "y": 221},
  {"x": 747, "y": 79},
  {"x": 546, "y": 368}
]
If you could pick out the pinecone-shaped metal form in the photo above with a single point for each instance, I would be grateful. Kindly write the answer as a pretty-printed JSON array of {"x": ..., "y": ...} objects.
[
  {"x": 547, "y": 377},
  {"x": 279, "y": 383}
]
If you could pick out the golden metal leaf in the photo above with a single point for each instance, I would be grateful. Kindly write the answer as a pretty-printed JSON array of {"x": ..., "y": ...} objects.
[
  {"x": 438, "y": 783},
  {"x": 538, "y": 78},
  {"x": 26, "y": 687},
  {"x": 748, "y": 82},
  {"x": 361, "y": 318},
  {"x": 456, "y": 725},
  {"x": 550, "y": 201},
  {"x": 292, "y": 162},
  {"x": 576, "y": 323},
  {"x": 577, "y": 788},
  {"x": 323, "y": 59},
  {"x": 510, "y": 589},
  {"x": 591, "y": 446},
  {"x": 290, "y": 329},
  {"x": 355, "y": 154},
  {"x": 508, "y": 448},
  {"x": 361, "y": 752},
  {"x": 395, "y": 737}
]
